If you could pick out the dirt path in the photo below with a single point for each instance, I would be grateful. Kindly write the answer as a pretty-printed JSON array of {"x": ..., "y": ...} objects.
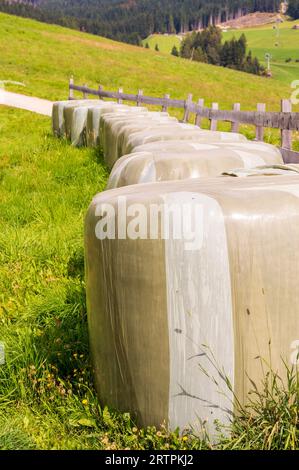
[{"x": 36, "y": 105}]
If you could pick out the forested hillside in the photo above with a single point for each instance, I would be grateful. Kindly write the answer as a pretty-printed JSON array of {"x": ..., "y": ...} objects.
[{"x": 133, "y": 20}]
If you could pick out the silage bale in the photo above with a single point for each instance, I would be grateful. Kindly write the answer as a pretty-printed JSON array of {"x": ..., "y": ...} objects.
[
  {"x": 170, "y": 324},
  {"x": 187, "y": 160},
  {"x": 267, "y": 152},
  {"x": 75, "y": 118},
  {"x": 181, "y": 132},
  {"x": 93, "y": 122},
  {"x": 58, "y": 117},
  {"x": 115, "y": 130}
]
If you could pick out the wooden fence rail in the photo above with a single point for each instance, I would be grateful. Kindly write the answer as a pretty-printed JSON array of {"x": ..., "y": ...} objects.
[{"x": 285, "y": 120}]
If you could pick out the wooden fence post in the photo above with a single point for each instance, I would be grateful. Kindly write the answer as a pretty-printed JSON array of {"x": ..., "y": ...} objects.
[
  {"x": 286, "y": 135},
  {"x": 140, "y": 93},
  {"x": 165, "y": 106},
  {"x": 100, "y": 89},
  {"x": 71, "y": 91},
  {"x": 198, "y": 117},
  {"x": 85, "y": 95},
  {"x": 236, "y": 125},
  {"x": 214, "y": 122},
  {"x": 259, "y": 130},
  {"x": 119, "y": 100},
  {"x": 187, "y": 112}
]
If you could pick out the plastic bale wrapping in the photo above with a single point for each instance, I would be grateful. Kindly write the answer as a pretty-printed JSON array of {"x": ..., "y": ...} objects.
[
  {"x": 181, "y": 132},
  {"x": 265, "y": 153},
  {"x": 127, "y": 112},
  {"x": 264, "y": 170},
  {"x": 122, "y": 130},
  {"x": 111, "y": 128},
  {"x": 75, "y": 118},
  {"x": 58, "y": 124},
  {"x": 174, "y": 320},
  {"x": 181, "y": 163},
  {"x": 93, "y": 122}
]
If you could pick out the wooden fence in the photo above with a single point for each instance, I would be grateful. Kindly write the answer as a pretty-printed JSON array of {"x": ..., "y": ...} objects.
[{"x": 285, "y": 120}]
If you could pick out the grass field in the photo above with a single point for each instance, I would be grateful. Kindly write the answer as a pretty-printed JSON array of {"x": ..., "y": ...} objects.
[
  {"x": 165, "y": 42},
  {"x": 47, "y": 399},
  {"x": 43, "y": 57},
  {"x": 282, "y": 44}
]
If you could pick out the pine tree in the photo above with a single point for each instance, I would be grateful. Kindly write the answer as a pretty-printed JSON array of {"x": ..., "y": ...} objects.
[{"x": 174, "y": 51}]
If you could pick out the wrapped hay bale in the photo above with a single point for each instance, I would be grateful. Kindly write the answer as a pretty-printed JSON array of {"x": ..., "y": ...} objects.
[
  {"x": 75, "y": 118},
  {"x": 181, "y": 132},
  {"x": 184, "y": 163},
  {"x": 116, "y": 129},
  {"x": 93, "y": 121},
  {"x": 265, "y": 153},
  {"x": 174, "y": 319},
  {"x": 109, "y": 118},
  {"x": 58, "y": 116}
]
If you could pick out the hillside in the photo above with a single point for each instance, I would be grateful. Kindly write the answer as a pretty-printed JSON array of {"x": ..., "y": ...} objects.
[
  {"x": 131, "y": 21},
  {"x": 44, "y": 57},
  {"x": 281, "y": 43}
]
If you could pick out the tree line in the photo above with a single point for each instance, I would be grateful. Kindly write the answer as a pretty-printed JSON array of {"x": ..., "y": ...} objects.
[
  {"x": 131, "y": 21},
  {"x": 293, "y": 9},
  {"x": 207, "y": 46}
]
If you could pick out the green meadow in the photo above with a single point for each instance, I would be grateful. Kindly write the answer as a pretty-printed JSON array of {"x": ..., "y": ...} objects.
[
  {"x": 43, "y": 57},
  {"x": 282, "y": 43}
]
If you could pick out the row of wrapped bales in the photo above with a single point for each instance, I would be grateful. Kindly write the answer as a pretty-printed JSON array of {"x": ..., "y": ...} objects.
[
  {"x": 180, "y": 331},
  {"x": 119, "y": 136},
  {"x": 180, "y": 326},
  {"x": 58, "y": 107},
  {"x": 184, "y": 160},
  {"x": 70, "y": 118}
]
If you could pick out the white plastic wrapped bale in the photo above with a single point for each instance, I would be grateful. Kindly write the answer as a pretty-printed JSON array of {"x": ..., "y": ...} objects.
[
  {"x": 93, "y": 122},
  {"x": 222, "y": 297},
  {"x": 75, "y": 118},
  {"x": 129, "y": 112},
  {"x": 265, "y": 153},
  {"x": 115, "y": 129},
  {"x": 83, "y": 132},
  {"x": 205, "y": 160},
  {"x": 121, "y": 131},
  {"x": 58, "y": 117},
  {"x": 181, "y": 132}
]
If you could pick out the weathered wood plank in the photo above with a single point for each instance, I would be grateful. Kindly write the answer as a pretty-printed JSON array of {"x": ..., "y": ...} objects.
[
  {"x": 119, "y": 100},
  {"x": 235, "y": 125},
  {"x": 188, "y": 104},
  {"x": 289, "y": 156},
  {"x": 100, "y": 89},
  {"x": 286, "y": 135},
  {"x": 71, "y": 90},
  {"x": 200, "y": 104},
  {"x": 165, "y": 104},
  {"x": 214, "y": 121},
  {"x": 139, "y": 98},
  {"x": 85, "y": 93},
  {"x": 259, "y": 130}
]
